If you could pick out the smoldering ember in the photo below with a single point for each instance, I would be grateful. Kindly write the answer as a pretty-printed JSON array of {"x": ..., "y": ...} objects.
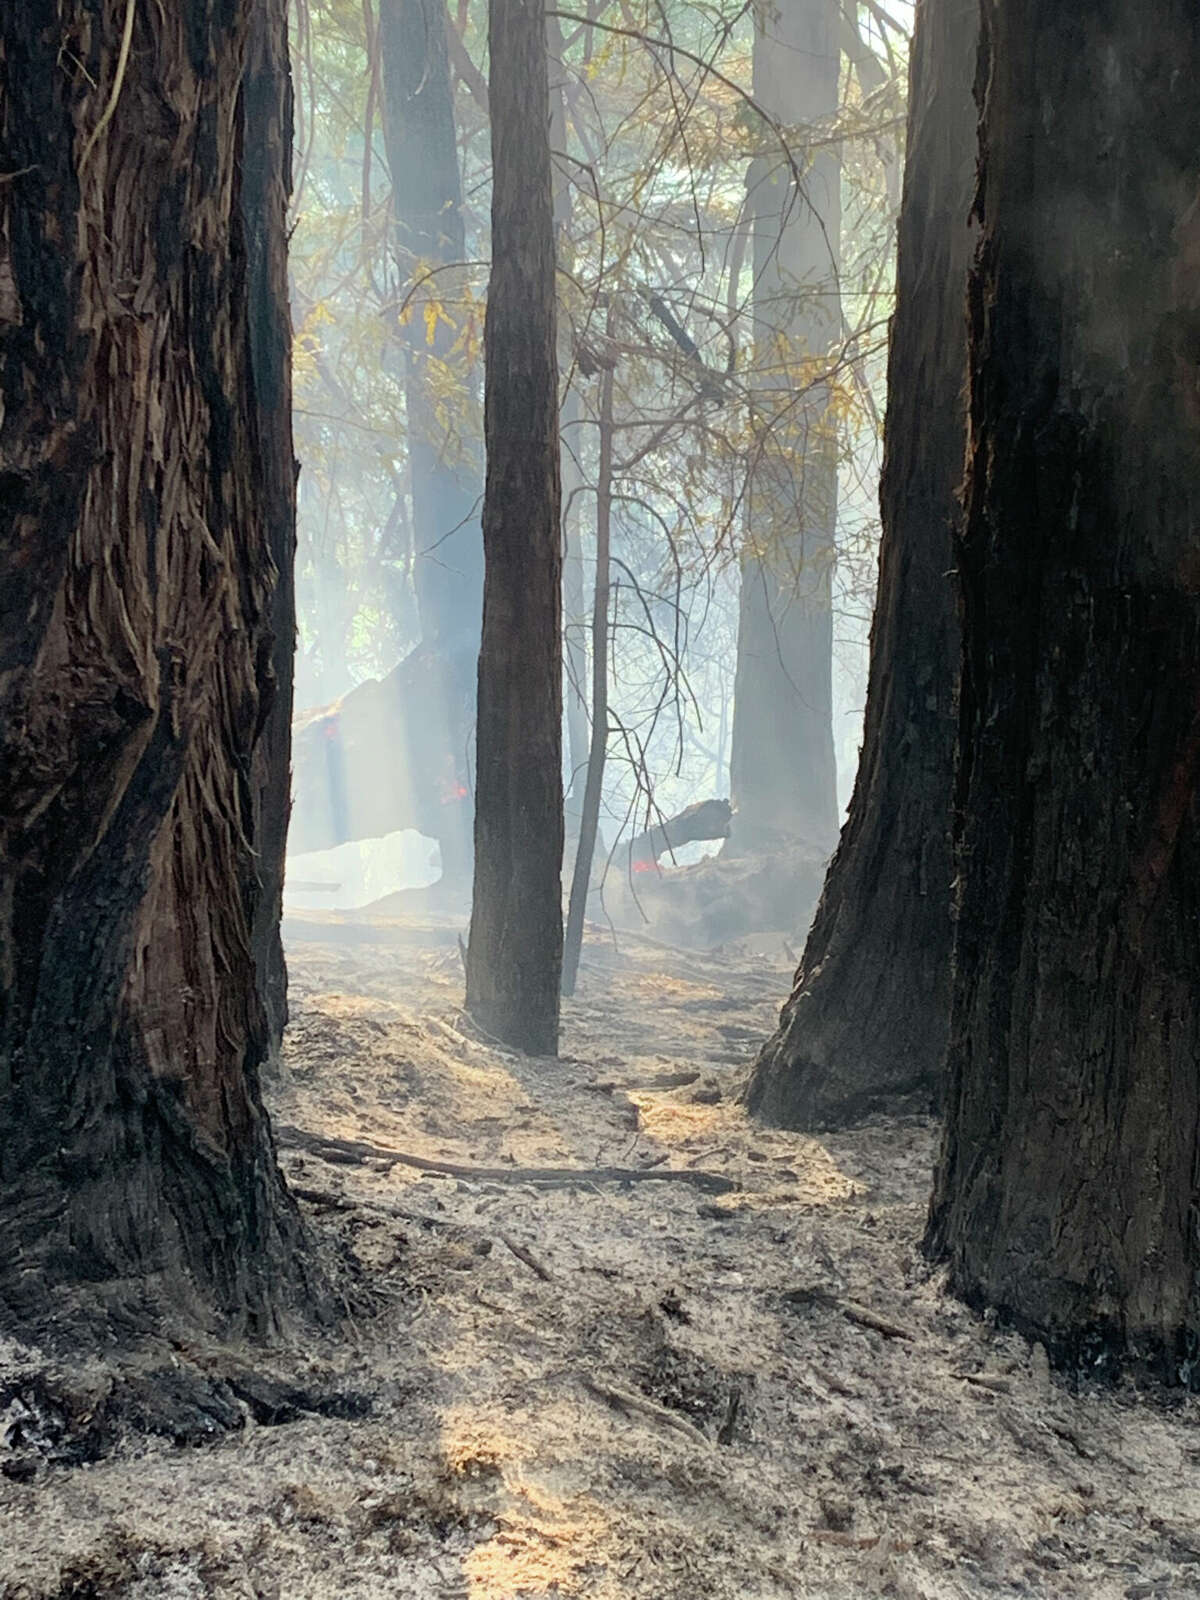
[{"x": 599, "y": 843}]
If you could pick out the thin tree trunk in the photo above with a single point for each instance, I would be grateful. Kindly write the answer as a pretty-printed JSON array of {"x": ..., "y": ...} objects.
[
  {"x": 581, "y": 878},
  {"x": 137, "y": 600},
  {"x": 866, "y": 1022},
  {"x": 574, "y": 606},
  {"x": 783, "y": 769},
  {"x": 514, "y": 959},
  {"x": 1067, "y": 1191},
  {"x": 571, "y": 445}
]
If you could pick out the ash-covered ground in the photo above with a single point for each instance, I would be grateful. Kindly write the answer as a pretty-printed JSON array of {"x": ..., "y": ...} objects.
[{"x": 737, "y": 1379}]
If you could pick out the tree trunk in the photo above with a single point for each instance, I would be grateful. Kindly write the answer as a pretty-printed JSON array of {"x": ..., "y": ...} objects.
[
  {"x": 570, "y": 452},
  {"x": 589, "y": 823},
  {"x": 137, "y": 601},
  {"x": 784, "y": 774},
  {"x": 422, "y": 152},
  {"x": 1066, "y": 1194},
  {"x": 515, "y": 954},
  {"x": 867, "y": 1019},
  {"x": 266, "y": 186}
]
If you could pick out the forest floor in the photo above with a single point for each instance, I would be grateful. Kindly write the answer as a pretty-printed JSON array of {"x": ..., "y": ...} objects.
[{"x": 736, "y": 1380}]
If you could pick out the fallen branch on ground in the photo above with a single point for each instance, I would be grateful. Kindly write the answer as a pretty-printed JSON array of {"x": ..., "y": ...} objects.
[
  {"x": 340, "y": 1202},
  {"x": 528, "y": 1257},
  {"x": 630, "y": 1403},
  {"x": 985, "y": 1380},
  {"x": 851, "y": 1310},
  {"x": 349, "y": 1151}
]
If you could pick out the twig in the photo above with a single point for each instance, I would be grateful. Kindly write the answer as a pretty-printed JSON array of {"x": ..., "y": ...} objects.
[
  {"x": 851, "y": 1541},
  {"x": 355, "y": 1150},
  {"x": 851, "y": 1310},
  {"x": 528, "y": 1257},
  {"x": 629, "y": 1403},
  {"x": 985, "y": 1380},
  {"x": 866, "y": 1318},
  {"x": 340, "y": 1202},
  {"x": 832, "y": 1382},
  {"x": 106, "y": 115}
]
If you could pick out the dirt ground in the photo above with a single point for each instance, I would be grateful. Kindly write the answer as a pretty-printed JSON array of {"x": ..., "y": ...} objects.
[{"x": 735, "y": 1379}]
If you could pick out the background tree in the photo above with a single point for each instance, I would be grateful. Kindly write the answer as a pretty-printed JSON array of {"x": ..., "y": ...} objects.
[
  {"x": 654, "y": 125},
  {"x": 867, "y": 1019},
  {"x": 1067, "y": 1190},
  {"x": 444, "y": 460},
  {"x": 138, "y": 591},
  {"x": 784, "y": 776},
  {"x": 514, "y": 956}
]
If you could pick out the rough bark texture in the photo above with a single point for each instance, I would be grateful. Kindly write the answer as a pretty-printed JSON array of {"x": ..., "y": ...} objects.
[
  {"x": 866, "y": 1022},
  {"x": 445, "y": 474},
  {"x": 266, "y": 182},
  {"x": 783, "y": 770},
  {"x": 137, "y": 594},
  {"x": 1067, "y": 1190},
  {"x": 514, "y": 958}
]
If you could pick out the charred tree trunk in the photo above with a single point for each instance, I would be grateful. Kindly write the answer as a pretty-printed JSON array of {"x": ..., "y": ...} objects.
[
  {"x": 514, "y": 959},
  {"x": 266, "y": 182},
  {"x": 1066, "y": 1194},
  {"x": 783, "y": 771},
  {"x": 867, "y": 1019},
  {"x": 445, "y": 472},
  {"x": 137, "y": 602}
]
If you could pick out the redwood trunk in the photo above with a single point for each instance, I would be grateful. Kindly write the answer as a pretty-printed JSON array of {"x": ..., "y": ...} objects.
[
  {"x": 514, "y": 959},
  {"x": 266, "y": 182},
  {"x": 866, "y": 1022},
  {"x": 138, "y": 598},
  {"x": 1067, "y": 1190}
]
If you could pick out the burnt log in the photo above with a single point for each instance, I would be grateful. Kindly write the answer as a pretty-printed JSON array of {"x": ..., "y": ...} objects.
[{"x": 707, "y": 819}]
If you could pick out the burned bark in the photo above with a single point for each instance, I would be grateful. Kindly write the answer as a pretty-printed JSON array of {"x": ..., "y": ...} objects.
[
  {"x": 266, "y": 182},
  {"x": 514, "y": 958},
  {"x": 866, "y": 1022},
  {"x": 137, "y": 605},
  {"x": 1066, "y": 1194}
]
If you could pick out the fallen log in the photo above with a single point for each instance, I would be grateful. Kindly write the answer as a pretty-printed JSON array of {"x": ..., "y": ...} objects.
[
  {"x": 707, "y": 819},
  {"x": 348, "y": 1151}
]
